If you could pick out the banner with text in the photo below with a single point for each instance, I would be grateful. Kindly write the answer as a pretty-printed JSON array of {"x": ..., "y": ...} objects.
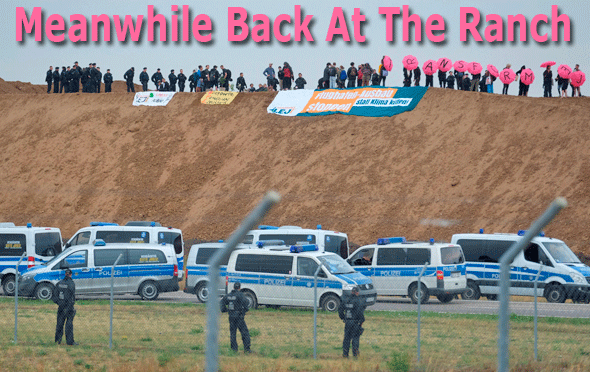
[
  {"x": 218, "y": 98},
  {"x": 366, "y": 101},
  {"x": 152, "y": 98}
]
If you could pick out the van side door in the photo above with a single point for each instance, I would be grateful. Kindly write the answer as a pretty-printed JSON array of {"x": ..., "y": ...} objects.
[
  {"x": 78, "y": 262},
  {"x": 104, "y": 258},
  {"x": 533, "y": 256},
  {"x": 390, "y": 278},
  {"x": 303, "y": 282}
]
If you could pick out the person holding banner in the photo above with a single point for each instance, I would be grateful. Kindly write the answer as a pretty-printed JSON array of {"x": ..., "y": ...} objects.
[
  {"x": 505, "y": 88},
  {"x": 547, "y": 82},
  {"x": 442, "y": 79},
  {"x": 576, "y": 89}
]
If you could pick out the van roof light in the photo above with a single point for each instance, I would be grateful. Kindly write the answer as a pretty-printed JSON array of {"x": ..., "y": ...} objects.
[
  {"x": 521, "y": 232},
  {"x": 99, "y": 243},
  {"x": 96, "y": 223},
  {"x": 395, "y": 239},
  {"x": 268, "y": 227},
  {"x": 144, "y": 223},
  {"x": 431, "y": 241},
  {"x": 264, "y": 243},
  {"x": 303, "y": 248},
  {"x": 29, "y": 225},
  {"x": 542, "y": 234},
  {"x": 319, "y": 227},
  {"x": 220, "y": 241},
  {"x": 481, "y": 231}
]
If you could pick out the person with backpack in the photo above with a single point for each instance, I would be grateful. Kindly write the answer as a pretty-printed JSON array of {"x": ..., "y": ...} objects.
[
  {"x": 383, "y": 73},
  {"x": 367, "y": 72},
  {"x": 360, "y": 76},
  {"x": 287, "y": 76},
  {"x": 65, "y": 297},
  {"x": 352, "y": 74},
  {"x": 342, "y": 77},
  {"x": 375, "y": 78},
  {"x": 241, "y": 83},
  {"x": 332, "y": 75}
]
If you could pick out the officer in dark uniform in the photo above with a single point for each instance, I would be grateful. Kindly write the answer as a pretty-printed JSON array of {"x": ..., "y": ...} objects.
[
  {"x": 181, "y": 81},
  {"x": 129, "y": 79},
  {"x": 144, "y": 79},
  {"x": 75, "y": 79},
  {"x": 156, "y": 78},
  {"x": 68, "y": 79},
  {"x": 65, "y": 297},
  {"x": 56, "y": 79},
  {"x": 236, "y": 304},
  {"x": 49, "y": 78},
  {"x": 62, "y": 79},
  {"x": 172, "y": 79},
  {"x": 351, "y": 311},
  {"x": 108, "y": 80},
  {"x": 98, "y": 79}
]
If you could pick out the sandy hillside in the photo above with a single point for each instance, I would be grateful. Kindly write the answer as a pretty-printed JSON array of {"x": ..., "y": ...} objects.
[{"x": 458, "y": 162}]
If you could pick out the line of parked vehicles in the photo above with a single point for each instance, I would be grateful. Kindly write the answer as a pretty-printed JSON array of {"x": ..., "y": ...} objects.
[{"x": 281, "y": 266}]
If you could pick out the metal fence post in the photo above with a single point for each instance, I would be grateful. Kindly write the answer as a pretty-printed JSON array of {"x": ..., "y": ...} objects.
[
  {"x": 315, "y": 312},
  {"x": 112, "y": 285},
  {"x": 536, "y": 313},
  {"x": 419, "y": 301},
  {"x": 16, "y": 297},
  {"x": 212, "y": 347},
  {"x": 505, "y": 260}
]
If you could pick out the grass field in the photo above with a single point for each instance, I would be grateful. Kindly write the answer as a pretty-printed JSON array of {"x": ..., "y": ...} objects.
[{"x": 152, "y": 336}]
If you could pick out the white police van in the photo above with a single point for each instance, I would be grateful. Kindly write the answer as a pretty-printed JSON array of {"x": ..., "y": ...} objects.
[
  {"x": 142, "y": 232},
  {"x": 286, "y": 277},
  {"x": 197, "y": 269},
  {"x": 393, "y": 264},
  {"x": 562, "y": 275},
  {"x": 326, "y": 240},
  {"x": 145, "y": 269},
  {"x": 40, "y": 244}
]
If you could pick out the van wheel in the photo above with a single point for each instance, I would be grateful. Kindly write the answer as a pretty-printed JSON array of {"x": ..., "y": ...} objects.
[
  {"x": 555, "y": 294},
  {"x": 492, "y": 297},
  {"x": 44, "y": 292},
  {"x": 251, "y": 297},
  {"x": 202, "y": 292},
  {"x": 331, "y": 303},
  {"x": 8, "y": 285},
  {"x": 445, "y": 298},
  {"x": 472, "y": 292},
  {"x": 413, "y": 293},
  {"x": 149, "y": 291}
]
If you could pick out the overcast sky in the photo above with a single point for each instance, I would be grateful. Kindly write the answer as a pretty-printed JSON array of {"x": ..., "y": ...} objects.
[{"x": 29, "y": 60}]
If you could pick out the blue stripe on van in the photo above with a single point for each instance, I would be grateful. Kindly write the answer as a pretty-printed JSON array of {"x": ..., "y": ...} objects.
[{"x": 282, "y": 280}]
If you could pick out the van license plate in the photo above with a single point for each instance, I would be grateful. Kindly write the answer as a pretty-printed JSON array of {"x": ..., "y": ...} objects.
[
  {"x": 370, "y": 299},
  {"x": 455, "y": 274}
]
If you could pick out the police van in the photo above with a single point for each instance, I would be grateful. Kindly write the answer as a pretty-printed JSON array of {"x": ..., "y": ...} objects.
[
  {"x": 326, "y": 240},
  {"x": 562, "y": 276},
  {"x": 141, "y": 232},
  {"x": 197, "y": 269},
  {"x": 39, "y": 243},
  {"x": 145, "y": 269},
  {"x": 285, "y": 277},
  {"x": 393, "y": 264}
]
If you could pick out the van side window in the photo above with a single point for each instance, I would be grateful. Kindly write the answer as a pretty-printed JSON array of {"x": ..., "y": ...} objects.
[
  {"x": 173, "y": 238},
  {"x": 418, "y": 256},
  {"x": 306, "y": 266},
  {"x": 334, "y": 243},
  {"x": 249, "y": 239},
  {"x": 391, "y": 256},
  {"x": 82, "y": 238},
  {"x": 12, "y": 244},
  {"x": 107, "y": 257},
  {"x": 264, "y": 264},
  {"x": 289, "y": 239},
  {"x": 124, "y": 236},
  {"x": 204, "y": 254},
  {"x": 477, "y": 250},
  {"x": 74, "y": 260},
  {"x": 47, "y": 244},
  {"x": 534, "y": 253},
  {"x": 146, "y": 257},
  {"x": 451, "y": 256}
]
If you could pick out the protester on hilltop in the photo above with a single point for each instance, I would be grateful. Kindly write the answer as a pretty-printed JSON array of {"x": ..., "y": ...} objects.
[
  {"x": 417, "y": 76},
  {"x": 157, "y": 78},
  {"x": 205, "y": 84},
  {"x": 407, "y": 77},
  {"x": 280, "y": 76},
  {"x": 375, "y": 78},
  {"x": 226, "y": 73},
  {"x": 241, "y": 83},
  {"x": 181, "y": 80},
  {"x": 352, "y": 75},
  {"x": 332, "y": 75},
  {"x": 521, "y": 86},
  {"x": 451, "y": 80},
  {"x": 300, "y": 82},
  {"x": 129, "y": 79},
  {"x": 367, "y": 72},
  {"x": 252, "y": 89},
  {"x": 442, "y": 79},
  {"x": 269, "y": 73},
  {"x": 164, "y": 86},
  {"x": 273, "y": 85},
  {"x": 475, "y": 82},
  {"x": 108, "y": 80},
  {"x": 260, "y": 88},
  {"x": 383, "y": 73},
  {"x": 547, "y": 82},
  {"x": 459, "y": 79},
  {"x": 483, "y": 82},
  {"x": 505, "y": 88},
  {"x": 321, "y": 83},
  {"x": 360, "y": 76},
  {"x": 214, "y": 78},
  {"x": 490, "y": 82},
  {"x": 192, "y": 85},
  {"x": 466, "y": 82},
  {"x": 288, "y": 76},
  {"x": 144, "y": 79},
  {"x": 341, "y": 79},
  {"x": 200, "y": 80},
  {"x": 564, "y": 84},
  {"x": 576, "y": 89},
  {"x": 429, "y": 81}
]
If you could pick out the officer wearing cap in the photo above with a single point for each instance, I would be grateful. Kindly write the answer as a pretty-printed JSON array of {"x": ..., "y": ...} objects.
[
  {"x": 351, "y": 311},
  {"x": 129, "y": 79},
  {"x": 157, "y": 78},
  {"x": 172, "y": 78},
  {"x": 65, "y": 297},
  {"x": 236, "y": 304},
  {"x": 144, "y": 78}
]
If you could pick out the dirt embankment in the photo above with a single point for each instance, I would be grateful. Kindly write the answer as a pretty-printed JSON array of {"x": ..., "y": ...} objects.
[{"x": 458, "y": 162}]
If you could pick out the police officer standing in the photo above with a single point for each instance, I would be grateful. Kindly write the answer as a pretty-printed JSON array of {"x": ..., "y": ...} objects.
[
  {"x": 75, "y": 74},
  {"x": 157, "y": 78},
  {"x": 108, "y": 80},
  {"x": 62, "y": 79},
  {"x": 172, "y": 79},
  {"x": 351, "y": 311},
  {"x": 65, "y": 297},
  {"x": 56, "y": 79},
  {"x": 144, "y": 78},
  {"x": 98, "y": 79},
  {"x": 49, "y": 78},
  {"x": 181, "y": 81},
  {"x": 236, "y": 304},
  {"x": 129, "y": 79}
]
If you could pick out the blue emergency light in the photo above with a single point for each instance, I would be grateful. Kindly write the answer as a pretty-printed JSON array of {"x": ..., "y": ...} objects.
[
  {"x": 431, "y": 241},
  {"x": 395, "y": 239},
  {"x": 95, "y": 223},
  {"x": 29, "y": 225},
  {"x": 264, "y": 243},
  {"x": 99, "y": 243},
  {"x": 481, "y": 231},
  {"x": 220, "y": 241},
  {"x": 303, "y": 248},
  {"x": 522, "y": 232},
  {"x": 319, "y": 227},
  {"x": 267, "y": 227}
]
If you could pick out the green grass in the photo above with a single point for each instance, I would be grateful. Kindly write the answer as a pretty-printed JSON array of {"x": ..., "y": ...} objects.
[{"x": 153, "y": 336}]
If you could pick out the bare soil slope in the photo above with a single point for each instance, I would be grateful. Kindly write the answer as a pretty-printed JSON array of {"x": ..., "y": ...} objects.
[{"x": 458, "y": 162}]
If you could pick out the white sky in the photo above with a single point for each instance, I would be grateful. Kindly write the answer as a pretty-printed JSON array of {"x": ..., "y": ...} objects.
[{"x": 28, "y": 61}]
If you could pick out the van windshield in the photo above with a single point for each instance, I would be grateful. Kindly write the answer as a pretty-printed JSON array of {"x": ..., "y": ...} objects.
[
  {"x": 58, "y": 257},
  {"x": 561, "y": 252},
  {"x": 336, "y": 264}
]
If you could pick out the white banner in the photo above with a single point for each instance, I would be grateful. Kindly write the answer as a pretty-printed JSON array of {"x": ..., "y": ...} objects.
[
  {"x": 152, "y": 98},
  {"x": 290, "y": 102}
]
